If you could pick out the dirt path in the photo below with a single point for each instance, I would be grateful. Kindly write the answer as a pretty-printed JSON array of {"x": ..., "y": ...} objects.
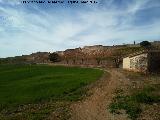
[{"x": 95, "y": 106}]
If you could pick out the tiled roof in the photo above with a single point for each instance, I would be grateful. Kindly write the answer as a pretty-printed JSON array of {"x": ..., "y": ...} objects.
[{"x": 141, "y": 52}]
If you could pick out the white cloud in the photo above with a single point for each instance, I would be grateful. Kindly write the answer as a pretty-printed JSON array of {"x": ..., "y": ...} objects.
[
  {"x": 10, "y": 2},
  {"x": 48, "y": 31}
]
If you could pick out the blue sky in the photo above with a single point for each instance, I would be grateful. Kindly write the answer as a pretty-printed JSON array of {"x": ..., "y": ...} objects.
[{"x": 27, "y": 28}]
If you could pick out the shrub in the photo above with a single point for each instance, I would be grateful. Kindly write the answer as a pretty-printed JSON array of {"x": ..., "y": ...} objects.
[
  {"x": 54, "y": 57},
  {"x": 132, "y": 104},
  {"x": 146, "y": 95},
  {"x": 126, "y": 103}
]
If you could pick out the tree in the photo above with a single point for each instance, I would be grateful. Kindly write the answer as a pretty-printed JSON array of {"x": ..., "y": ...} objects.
[
  {"x": 98, "y": 55},
  {"x": 69, "y": 55},
  {"x": 145, "y": 44},
  {"x": 117, "y": 61},
  {"x": 54, "y": 57},
  {"x": 117, "y": 57}
]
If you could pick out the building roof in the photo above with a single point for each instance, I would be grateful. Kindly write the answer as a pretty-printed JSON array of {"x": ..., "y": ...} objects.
[
  {"x": 141, "y": 52},
  {"x": 137, "y": 53}
]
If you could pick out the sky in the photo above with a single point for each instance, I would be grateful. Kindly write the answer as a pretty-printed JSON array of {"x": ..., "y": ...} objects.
[{"x": 33, "y": 27}]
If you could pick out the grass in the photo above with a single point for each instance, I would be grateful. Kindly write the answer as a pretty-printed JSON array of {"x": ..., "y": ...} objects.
[
  {"x": 132, "y": 103},
  {"x": 36, "y": 84}
]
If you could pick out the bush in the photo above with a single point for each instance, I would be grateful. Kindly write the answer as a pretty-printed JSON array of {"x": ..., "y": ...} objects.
[
  {"x": 132, "y": 104},
  {"x": 54, "y": 57},
  {"x": 145, "y": 44},
  {"x": 146, "y": 95},
  {"x": 126, "y": 103}
]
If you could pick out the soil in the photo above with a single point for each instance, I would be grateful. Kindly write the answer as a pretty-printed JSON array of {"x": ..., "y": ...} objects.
[{"x": 95, "y": 106}]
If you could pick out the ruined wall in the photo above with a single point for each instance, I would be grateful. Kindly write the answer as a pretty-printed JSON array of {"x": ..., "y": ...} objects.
[{"x": 139, "y": 63}]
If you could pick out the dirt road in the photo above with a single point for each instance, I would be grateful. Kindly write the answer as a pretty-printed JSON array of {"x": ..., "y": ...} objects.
[{"x": 95, "y": 107}]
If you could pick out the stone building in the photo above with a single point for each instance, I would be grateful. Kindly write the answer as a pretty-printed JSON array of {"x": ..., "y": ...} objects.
[{"x": 143, "y": 61}]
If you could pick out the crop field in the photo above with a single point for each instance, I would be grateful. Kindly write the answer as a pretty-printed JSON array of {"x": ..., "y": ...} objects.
[{"x": 29, "y": 84}]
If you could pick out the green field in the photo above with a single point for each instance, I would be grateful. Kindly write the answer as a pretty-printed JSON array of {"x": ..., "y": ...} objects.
[{"x": 24, "y": 84}]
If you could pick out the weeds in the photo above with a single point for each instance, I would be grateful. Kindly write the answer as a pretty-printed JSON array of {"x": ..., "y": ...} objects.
[{"x": 132, "y": 104}]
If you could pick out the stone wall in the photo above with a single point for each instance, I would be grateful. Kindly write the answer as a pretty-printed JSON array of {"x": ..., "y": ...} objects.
[{"x": 136, "y": 63}]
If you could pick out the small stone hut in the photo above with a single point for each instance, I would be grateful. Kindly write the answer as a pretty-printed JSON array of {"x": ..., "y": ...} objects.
[{"x": 143, "y": 61}]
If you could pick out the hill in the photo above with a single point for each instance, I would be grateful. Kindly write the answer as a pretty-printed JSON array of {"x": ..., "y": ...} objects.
[{"x": 110, "y": 56}]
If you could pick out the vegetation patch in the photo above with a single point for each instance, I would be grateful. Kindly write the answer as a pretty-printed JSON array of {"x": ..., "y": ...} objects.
[
  {"x": 37, "y": 85},
  {"x": 132, "y": 103}
]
